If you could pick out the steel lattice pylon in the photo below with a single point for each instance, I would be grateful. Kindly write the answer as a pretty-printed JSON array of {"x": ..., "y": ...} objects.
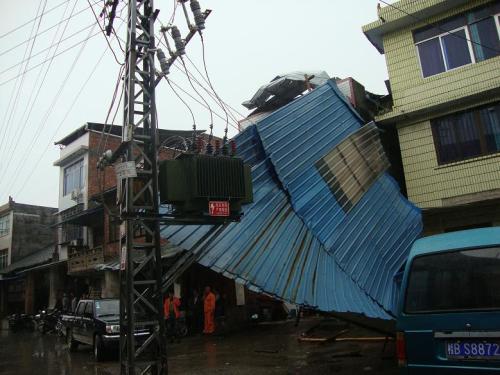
[{"x": 140, "y": 271}]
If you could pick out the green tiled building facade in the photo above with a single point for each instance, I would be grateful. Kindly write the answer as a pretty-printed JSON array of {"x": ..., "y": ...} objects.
[{"x": 443, "y": 60}]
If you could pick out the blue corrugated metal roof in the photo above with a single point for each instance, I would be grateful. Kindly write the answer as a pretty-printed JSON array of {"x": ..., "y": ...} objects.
[
  {"x": 463, "y": 239},
  {"x": 295, "y": 241}
]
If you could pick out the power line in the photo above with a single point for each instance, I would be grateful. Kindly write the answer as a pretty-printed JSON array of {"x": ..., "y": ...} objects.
[
  {"x": 190, "y": 77},
  {"x": 70, "y": 108},
  {"x": 210, "y": 94},
  {"x": 104, "y": 34},
  {"x": 23, "y": 124},
  {"x": 181, "y": 99},
  {"x": 33, "y": 19},
  {"x": 198, "y": 93},
  {"x": 103, "y": 131},
  {"x": 118, "y": 80},
  {"x": 60, "y": 53},
  {"x": 45, "y": 49},
  {"x": 50, "y": 47},
  {"x": 51, "y": 107},
  {"x": 232, "y": 109},
  {"x": 19, "y": 88},
  {"x": 212, "y": 87},
  {"x": 198, "y": 101},
  {"x": 438, "y": 27},
  {"x": 4, "y": 128},
  {"x": 45, "y": 30}
]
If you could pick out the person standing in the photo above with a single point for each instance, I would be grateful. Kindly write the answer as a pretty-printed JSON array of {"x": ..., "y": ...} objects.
[
  {"x": 195, "y": 312},
  {"x": 171, "y": 311},
  {"x": 65, "y": 302},
  {"x": 74, "y": 302},
  {"x": 209, "y": 311}
]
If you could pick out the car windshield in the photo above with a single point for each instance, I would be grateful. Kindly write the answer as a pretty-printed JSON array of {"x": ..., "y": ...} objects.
[
  {"x": 454, "y": 281},
  {"x": 107, "y": 307}
]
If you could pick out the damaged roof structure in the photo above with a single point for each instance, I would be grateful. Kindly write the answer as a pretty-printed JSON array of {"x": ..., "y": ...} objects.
[{"x": 328, "y": 227}]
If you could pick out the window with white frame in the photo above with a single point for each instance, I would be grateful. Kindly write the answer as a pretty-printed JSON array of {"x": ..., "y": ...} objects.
[
  {"x": 73, "y": 177},
  {"x": 4, "y": 225},
  {"x": 464, "y": 39},
  {"x": 4, "y": 258}
]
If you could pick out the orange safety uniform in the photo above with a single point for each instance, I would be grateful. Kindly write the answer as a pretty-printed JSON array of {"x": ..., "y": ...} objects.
[
  {"x": 166, "y": 307},
  {"x": 209, "y": 309}
]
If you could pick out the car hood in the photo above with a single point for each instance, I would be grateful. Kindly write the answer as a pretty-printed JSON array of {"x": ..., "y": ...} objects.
[{"x": 110, "y": 319}]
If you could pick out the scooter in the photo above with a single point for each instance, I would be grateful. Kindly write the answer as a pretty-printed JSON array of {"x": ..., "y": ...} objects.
[{"x": 47, "y": 320}]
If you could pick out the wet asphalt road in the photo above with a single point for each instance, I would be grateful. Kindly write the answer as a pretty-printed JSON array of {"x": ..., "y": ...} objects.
[{"x": 265, "y": 350}]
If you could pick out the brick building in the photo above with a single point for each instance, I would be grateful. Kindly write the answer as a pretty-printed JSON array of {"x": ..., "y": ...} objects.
[
  {"x": 26, "y": 240},
  {"x": 88, "y": 225}
]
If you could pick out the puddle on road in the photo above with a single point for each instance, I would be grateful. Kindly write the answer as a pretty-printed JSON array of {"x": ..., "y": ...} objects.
[{"x": 263, "y": 351}]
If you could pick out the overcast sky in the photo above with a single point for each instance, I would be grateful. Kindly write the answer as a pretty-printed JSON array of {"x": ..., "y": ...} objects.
[{"x": 247, "y": 44}]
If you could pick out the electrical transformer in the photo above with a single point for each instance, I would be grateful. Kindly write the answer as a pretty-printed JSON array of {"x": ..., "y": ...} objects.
[{"x": 206, "y": 186}]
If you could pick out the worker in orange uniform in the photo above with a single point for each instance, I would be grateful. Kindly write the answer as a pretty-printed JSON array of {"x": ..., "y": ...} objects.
[
  {"x": 171, "y": 311},
  {"x": 209, "y": 310}
]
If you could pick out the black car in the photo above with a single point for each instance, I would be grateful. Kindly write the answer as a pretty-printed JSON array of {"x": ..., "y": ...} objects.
[{"x": 96, "y": 322}]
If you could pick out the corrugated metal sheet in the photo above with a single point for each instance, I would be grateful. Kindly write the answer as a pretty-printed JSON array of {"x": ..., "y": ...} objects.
[
  {"x": 295, "y": 242},
  {"x": 41, "y": 256}
]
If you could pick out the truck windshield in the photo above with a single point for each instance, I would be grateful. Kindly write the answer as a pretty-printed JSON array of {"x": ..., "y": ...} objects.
[
  {"x": 454, "y": 281},
  {"x": 107, "y": 308}
]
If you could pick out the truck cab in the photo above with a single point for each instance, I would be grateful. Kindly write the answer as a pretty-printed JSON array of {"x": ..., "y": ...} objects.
[
  {"x": 96, "y": 323},
  {"x": 449, "y": 311}
]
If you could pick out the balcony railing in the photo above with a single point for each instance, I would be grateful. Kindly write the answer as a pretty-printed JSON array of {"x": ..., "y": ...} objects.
[{"x": 81, "y": 259}]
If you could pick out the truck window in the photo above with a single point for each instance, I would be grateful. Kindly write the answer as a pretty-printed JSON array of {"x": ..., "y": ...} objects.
[
  {"x": 80, "y": 309},
  {"x": 107, "y": 308},
  {"x": 89, "y": 309},
  {"x": 454, "y": 281}
]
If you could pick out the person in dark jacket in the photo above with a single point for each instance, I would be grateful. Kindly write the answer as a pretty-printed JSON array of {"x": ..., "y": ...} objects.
[{"x": 195, "y": 312}]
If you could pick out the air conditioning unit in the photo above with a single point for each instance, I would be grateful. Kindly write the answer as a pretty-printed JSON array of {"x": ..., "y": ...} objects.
[{"x": 76, "y": 195}]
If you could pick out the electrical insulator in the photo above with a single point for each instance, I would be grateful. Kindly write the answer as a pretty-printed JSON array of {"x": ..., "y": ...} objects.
[
  {"x": 233, "y": 148},
  {"x": 163, "y": 61},
  {"x": 210, "y": 148},
  {"x": 179, "y": 43},
  {"x": 199, "y": 19}
]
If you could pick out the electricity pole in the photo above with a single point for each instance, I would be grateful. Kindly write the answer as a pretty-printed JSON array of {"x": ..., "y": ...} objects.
[
  {"x": 141, "y": 301},
  {"x": 142, "y": 326}
]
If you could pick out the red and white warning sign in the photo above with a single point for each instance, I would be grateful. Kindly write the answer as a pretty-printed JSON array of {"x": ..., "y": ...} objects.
[{"x": 218, "y": 208}]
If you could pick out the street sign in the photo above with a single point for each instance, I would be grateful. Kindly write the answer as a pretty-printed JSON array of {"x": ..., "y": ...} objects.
[
  {"x": 218, "y": 208},
  {"x": 125, "y": 170}
]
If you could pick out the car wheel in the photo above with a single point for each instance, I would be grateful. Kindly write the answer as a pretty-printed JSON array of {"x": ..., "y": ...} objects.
[
  {"x": 99, "y": 349},
  {"x": 72, "y": 344}
]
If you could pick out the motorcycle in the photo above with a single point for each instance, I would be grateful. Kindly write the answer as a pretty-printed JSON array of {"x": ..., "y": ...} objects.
[{"x": 48, "y": 320}]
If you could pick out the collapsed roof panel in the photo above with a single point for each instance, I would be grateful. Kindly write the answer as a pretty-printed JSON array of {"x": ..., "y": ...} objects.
[
  {"x": 328, "y": 227},
  {"x": 284, "y": 88}
]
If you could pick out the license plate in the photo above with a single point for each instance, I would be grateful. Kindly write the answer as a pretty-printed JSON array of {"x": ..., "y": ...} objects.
[{"x": 473, "y": 350}]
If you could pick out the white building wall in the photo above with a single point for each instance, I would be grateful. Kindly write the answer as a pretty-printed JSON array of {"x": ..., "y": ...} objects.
[{"x": 65, "y": 201}]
